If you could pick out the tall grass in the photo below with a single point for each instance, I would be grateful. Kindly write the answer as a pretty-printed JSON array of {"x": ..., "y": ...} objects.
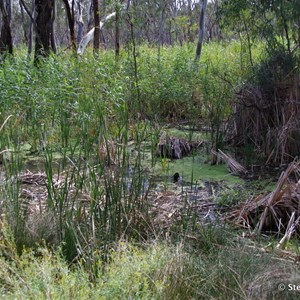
[
  {"x": 83, "y": 110},
  {"x": 79, "y": 116},
  {"x": 79, "y": 110},
  {"x": 66, "y": 94}
]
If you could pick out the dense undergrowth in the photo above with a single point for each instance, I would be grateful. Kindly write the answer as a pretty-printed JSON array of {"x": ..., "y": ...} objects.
[
  {"x": 91, "y": 121},
  {"x": 212, "y": 266}
]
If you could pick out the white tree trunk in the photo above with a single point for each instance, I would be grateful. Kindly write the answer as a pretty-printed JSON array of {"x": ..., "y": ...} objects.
[
  {"x": 80, "y": 22},
  {"x": 90, "y": 35}
]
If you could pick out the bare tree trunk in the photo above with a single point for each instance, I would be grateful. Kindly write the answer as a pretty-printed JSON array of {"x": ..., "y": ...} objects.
[
  {"x": 97, "y": 26},
  {"x": 89, "y": 16},
  {"x": 189, "y": 21},
  {"x": 161, "y": 38},
  {"x": 32, "y": 24},
  {"x": 299, "y": 33},
  {"x": 102, "y": 5},
  {"x": 169, "y": 39},
  {"x": 71, "y": 23},
  {"x": 89, "y": 36},
  {"x": 79, "y": 21},
  {"x": 201, "y": 30},
  {"x": 9, "y": 8},
  {"x": 30, "y": 28},
  {"x": 6, "y": 43},
  {"x": 248, "y": 40},
  {"x": 174, "y": 9},
  {"x": 285, "y": 27},
  {"x": 44, "y": 10},
  {"x": 25, "y": 36},
  {"x": 117, "y": 33},
  {"x": 53, "y": 44}
]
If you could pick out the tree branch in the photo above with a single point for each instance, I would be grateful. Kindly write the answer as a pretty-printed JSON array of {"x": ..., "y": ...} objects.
[{"x": 28, "y": 11}]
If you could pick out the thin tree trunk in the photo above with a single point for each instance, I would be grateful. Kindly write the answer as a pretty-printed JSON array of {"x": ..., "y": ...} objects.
[
  {"x": 89, "y": 36},
  {"x": 189, "y": 21},
  {"x": 9, "y": 8},
  {"x": 102, "y": 5},
  {"x": 71, "y": 23},
  {"x": 248, "y": 40},
  {"x": 89, "y": 16},
  {"x": 97, "y": 26},
  {"x": 161, "y": 38},
  {"x": 53, "y": 44},
  {"x": 201, "y": 30},
  {"x": 32, "y": 24},
  {"x": 170, "y": 40},
  {"x": 117, "y": 33},
  {"x": 80, "y": 23},
  {"x": 299, "y": 33},
  {"x": 30, "y": 35},
  {"x": 25, "y": 36},
  {"x": 177, "y": 33},
  {"x": 285, "y": 27},
  {"x": 6, "y": 43}
]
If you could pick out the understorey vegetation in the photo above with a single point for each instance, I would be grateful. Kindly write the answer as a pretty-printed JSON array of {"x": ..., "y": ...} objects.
[
  {"x": 79, "y": 202},
  {"x": 141, "y": 172}
]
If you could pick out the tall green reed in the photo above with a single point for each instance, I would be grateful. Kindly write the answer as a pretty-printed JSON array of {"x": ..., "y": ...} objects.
[{"x": 77, "y": 115}]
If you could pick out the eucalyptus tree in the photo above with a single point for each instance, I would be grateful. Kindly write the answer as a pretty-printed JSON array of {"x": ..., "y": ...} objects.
[
  {"x": 52, "y": 35},
  {"x": 43, "y": 21},
  {"x": 162, "y": 23},
  {"x": 42, "y": 18},
  {"x": 201, "y": 30},
  {"x": 276, "y": 21},
  {"x": 97, "y": 25},
  {"x": 74, "y": 11},
  {"x": 70, "y": 11},
  {"x": 212, "y": 20},
  {"x": 189, "y": 11},
  {"x": 30, "y": 33},
  {"x": 118, "y": 9},
  {"x": 79, "y": 21},
  {"x": 6, "y": 43},
  {"x": 90, "y": 35}
]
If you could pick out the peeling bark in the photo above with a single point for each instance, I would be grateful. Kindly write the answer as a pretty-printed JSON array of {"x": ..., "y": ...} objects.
[
  {"x": 79, "y": 21},
  {"x": 90, "y": 35}
]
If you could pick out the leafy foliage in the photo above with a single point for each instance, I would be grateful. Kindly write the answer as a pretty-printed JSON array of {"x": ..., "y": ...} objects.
[{"x": 274, "y": 21}]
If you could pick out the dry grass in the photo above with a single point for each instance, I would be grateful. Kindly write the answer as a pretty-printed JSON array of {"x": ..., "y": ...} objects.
[
  {"x": 273, "y": 283},
  {"x": 276, "y": 212},
  {"x": 174, "y": 147},
  {"x": 268, "y": 118}
]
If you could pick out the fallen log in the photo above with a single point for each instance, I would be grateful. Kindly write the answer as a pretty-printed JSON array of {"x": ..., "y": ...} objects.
[{"x": 277, "y": 212}]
